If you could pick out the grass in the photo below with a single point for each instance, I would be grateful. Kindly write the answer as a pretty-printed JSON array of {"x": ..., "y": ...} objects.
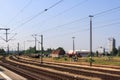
[
  {"x": 63, "y": 59},
  {"x": 114, "y": 61}
]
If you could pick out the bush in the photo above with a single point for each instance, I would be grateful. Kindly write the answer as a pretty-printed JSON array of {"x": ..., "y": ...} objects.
[
  {"x": 91, "y": 60},
  {"x": 65, "y": 59}
]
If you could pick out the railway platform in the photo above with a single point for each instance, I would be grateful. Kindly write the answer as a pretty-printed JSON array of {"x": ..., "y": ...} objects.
[{"x": 6, "y": 74}]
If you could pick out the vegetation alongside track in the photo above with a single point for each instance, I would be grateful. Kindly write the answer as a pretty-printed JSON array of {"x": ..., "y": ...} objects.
[{"x": 113, "y": 61}]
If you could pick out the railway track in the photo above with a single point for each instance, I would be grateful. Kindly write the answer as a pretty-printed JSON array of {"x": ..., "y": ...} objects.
[
  {"x": 25, "y": 73},
  {"x": 77, "y": 67},
  {"x": 34, "y": 73},
  {"x": 91, "y": 72},
  {"x": 105, "y": 66}
]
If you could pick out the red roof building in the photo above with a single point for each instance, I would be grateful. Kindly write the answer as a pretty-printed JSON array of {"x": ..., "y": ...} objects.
[{"x": 57, "y": 53}]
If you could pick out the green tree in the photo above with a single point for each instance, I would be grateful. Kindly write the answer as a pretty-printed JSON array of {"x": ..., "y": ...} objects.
[
  {"x": 114, "y": 52},
  {"x": 47, "y": 52},
  {"x": 97, "y": 53},
  {"x": 30, "y": 50},
  {"x": 118, "y": 51},
  {"x": 60, "y": 48},
  {"x": 2, "y": 51}
]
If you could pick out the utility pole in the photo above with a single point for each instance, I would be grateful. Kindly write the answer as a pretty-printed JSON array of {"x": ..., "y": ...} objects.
[
  {"x": 8, "y": 49},
  {"x": 35, "y": 40},
  {"x": 7, "y": 34},
  {"x": 6, "y": 29},
  {"x": 18, "y": 48},
  {"x": 41, "y": 49},
  {"x": 90, "y": 39}
]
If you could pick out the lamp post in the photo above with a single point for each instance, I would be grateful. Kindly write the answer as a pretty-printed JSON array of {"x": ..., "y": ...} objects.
[{"x": 73, "y": 44}]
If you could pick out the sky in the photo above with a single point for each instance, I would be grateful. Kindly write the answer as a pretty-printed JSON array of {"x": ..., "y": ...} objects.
[{"x": 62, "y": 20}]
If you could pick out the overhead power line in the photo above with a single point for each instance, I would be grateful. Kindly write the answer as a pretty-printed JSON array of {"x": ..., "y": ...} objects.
[
  {"x": 12, "y": 37},
  {"x": 66, "y": 10},
  {"x": 103, "y": 12},
  {"x": 54, "y": 5},
  {"x": 78, "y": 4},
  {"x": 21, "y": 10},
  {"x": 107, "y": 25},
  {"x": 33, "y": 17},
  {"x": 112, "y": 9},
  {"x": 71, "y": 22},
  {"x": 41, "y": 12},
  {"x": 107, "y": 11},
  {"x": 87, "y": 29}
]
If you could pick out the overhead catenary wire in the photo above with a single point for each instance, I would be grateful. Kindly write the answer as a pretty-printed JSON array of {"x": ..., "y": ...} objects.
[
  {"x": 65, "y": 23},
  {"x": 71, "y": 22},
  {"x": 21, "y": 10},
  {"x": 83, "y": 30},
  {"x": 33, "y": 17},
  {"x": 54, "y": 5},
  {"x": 103, "y": 12},
  {"x": 95, "y": 15},
  {"x": 112, "y": 9},
  {"x": 12, "y": 37},
  {"x": 66, "y": 10},
  {"x": 41, "y": 12},
  {"x": 74, "y": 6},
  {"x": 78, "y": 4}
]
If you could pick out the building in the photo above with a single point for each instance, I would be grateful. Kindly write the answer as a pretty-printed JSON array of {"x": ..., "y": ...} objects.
[
  {"x": 57, "y": 53},
  {"x": 111, "y": 44}
]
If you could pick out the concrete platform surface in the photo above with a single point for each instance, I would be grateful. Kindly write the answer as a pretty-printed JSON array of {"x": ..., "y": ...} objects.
[{"x": 6, "y": 74}]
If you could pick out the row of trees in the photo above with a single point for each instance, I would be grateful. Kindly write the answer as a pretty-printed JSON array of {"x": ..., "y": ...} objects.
[
  {"x": 32, "y": 50},
  {"x": 2, "y": 52},
  {"x": 116, "y": 52}
]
